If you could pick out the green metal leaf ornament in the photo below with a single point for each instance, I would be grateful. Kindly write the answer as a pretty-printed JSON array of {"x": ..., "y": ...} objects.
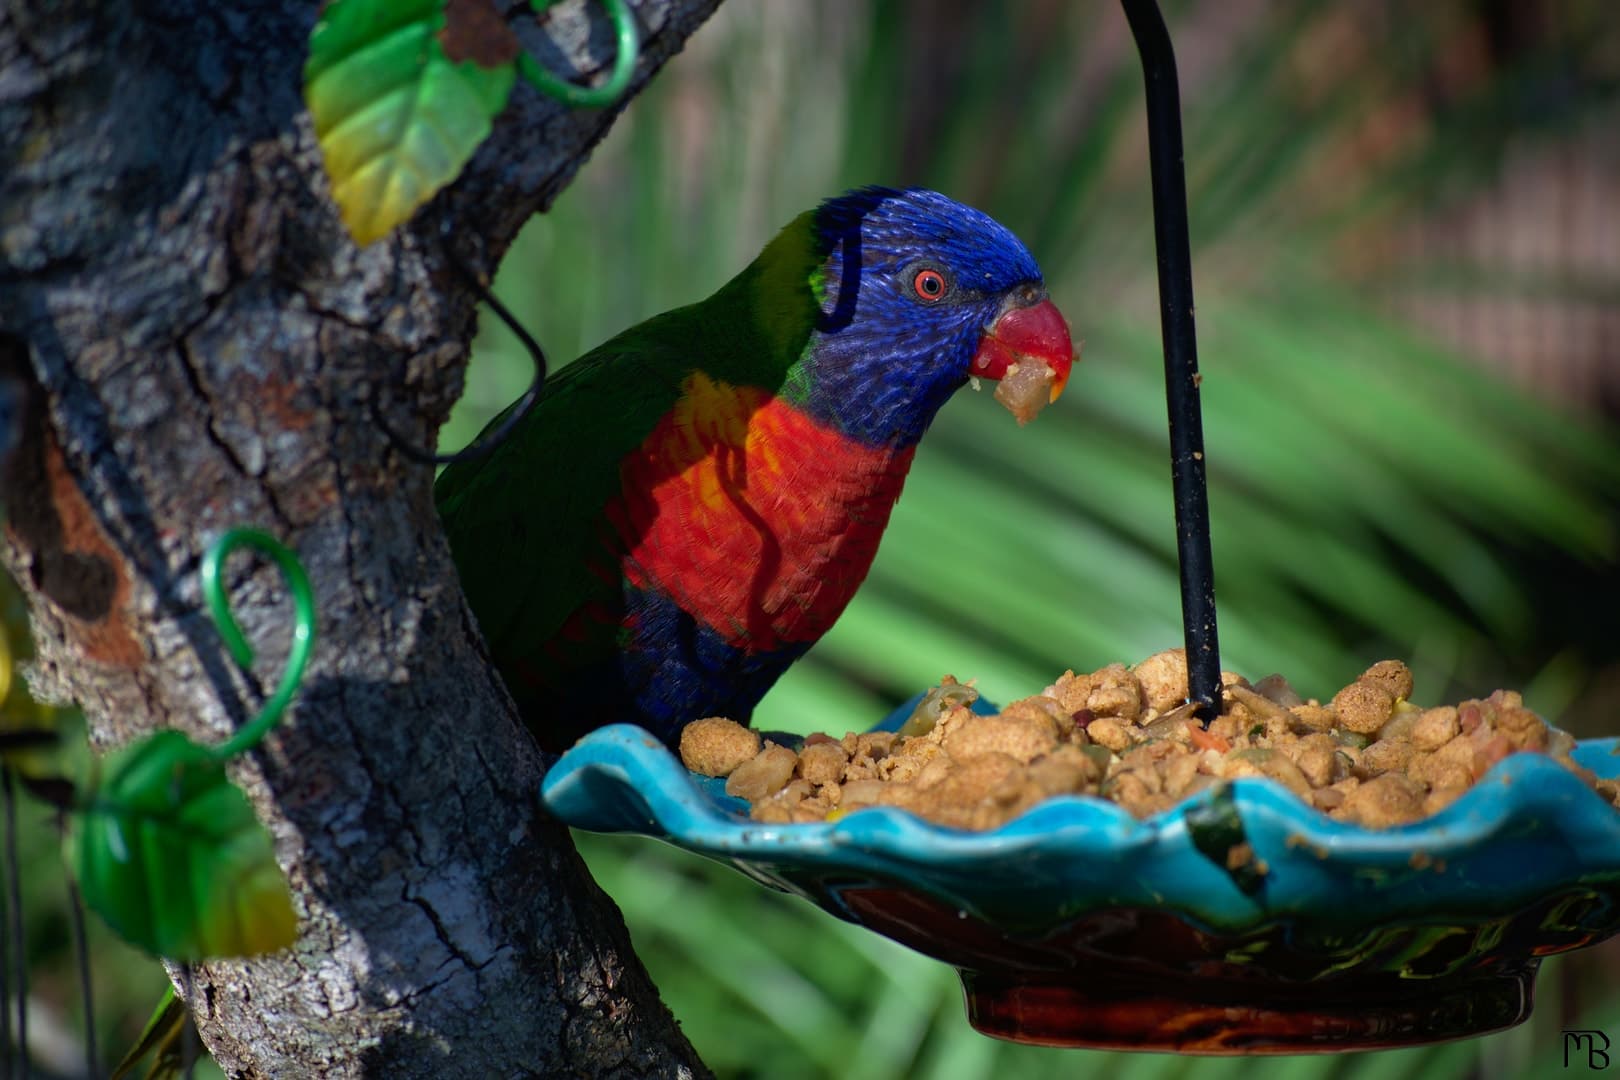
[
  {"x": 402, "y": 92},
  {"x": 166, "y": 849}
]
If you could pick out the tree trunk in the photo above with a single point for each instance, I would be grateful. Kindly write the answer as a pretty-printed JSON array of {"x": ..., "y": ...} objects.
[{"x": 203, "y": 347}]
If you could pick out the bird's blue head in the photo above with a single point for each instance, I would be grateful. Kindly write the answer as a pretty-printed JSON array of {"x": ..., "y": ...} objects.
[{"x": 917, "y": 293}]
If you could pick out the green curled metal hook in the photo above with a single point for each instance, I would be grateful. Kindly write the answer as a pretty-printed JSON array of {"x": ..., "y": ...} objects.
[
  {"x": 624, "y": 64},
  {"x": 303, "y": 629}
]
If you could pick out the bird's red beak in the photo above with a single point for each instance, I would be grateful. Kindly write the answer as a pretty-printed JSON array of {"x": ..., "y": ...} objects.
[{"x": 1025, "y": 335}]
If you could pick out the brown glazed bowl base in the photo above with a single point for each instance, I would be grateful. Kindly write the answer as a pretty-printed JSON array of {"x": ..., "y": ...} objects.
[{"x": 1300, "y": 1020}]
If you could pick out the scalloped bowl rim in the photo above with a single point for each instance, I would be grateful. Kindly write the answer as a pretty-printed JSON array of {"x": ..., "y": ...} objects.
[{"x": 1529, "y": 828}]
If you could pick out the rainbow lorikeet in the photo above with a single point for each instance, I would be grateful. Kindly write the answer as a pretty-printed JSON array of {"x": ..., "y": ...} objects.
[{"x": 691, "y": 505}]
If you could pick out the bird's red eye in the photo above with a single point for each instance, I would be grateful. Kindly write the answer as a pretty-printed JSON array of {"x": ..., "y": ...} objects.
[{"x": 929, "y": 285}]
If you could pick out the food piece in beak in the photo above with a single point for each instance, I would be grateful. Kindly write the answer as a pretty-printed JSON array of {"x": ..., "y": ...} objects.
[
  {"x": 1029, "y": 351},
  {"x": 1026, "y": 389}
]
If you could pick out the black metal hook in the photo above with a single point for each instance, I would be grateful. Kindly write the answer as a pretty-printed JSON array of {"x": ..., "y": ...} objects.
[
  {"x": 513, "y": 417},
  {"x": 1180, "y": 353}
]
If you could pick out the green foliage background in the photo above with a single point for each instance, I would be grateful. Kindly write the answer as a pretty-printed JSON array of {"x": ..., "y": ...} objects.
[{"x": 1374, "y": 494}]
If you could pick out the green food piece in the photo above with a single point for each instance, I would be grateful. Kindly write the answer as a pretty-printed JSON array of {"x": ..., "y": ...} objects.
[
  {"x": 1100, "y": 755},
  {"x": 936, "y": 703}
]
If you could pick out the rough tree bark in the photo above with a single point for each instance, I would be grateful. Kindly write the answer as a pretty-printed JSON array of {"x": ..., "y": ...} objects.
[{"x": 203, "y": 346}]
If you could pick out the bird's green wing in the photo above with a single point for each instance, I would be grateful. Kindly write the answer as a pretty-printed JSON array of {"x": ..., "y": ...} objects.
[{"x": 524, "y": 522}]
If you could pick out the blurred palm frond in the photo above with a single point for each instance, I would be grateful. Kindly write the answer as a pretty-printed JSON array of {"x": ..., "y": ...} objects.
[{"x": 1375, "y": 493}]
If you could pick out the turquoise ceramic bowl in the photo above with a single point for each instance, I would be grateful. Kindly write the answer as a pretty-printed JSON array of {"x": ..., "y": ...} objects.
[{"x": 1077, "y": 924}]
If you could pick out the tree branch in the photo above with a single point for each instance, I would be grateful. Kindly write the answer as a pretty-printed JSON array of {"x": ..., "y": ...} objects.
[{"x": 202, "y": 345}]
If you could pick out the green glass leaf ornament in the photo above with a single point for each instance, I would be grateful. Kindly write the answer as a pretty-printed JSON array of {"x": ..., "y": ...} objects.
[
  {"x": 618, "y": 80},
  {"x": 168, "y": 852},
  {"x": 402, "y": 92}
]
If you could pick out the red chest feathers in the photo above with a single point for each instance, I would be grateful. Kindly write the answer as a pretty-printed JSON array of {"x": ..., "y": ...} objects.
[{"x": 751, "y": 516}]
